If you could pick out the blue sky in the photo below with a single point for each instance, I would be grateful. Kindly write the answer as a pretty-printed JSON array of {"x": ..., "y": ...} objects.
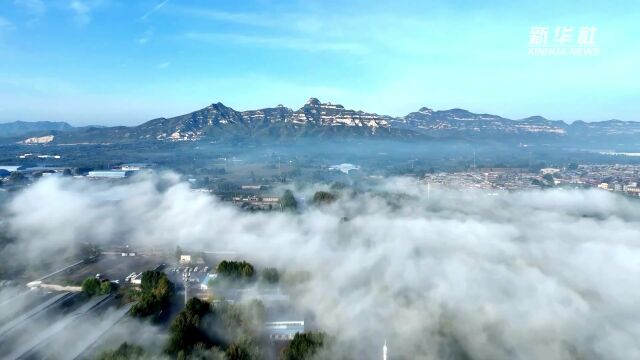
[{"x": 124, "y": 62}]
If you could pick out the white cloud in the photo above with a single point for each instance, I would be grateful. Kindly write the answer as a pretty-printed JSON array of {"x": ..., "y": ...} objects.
[
  {"x": 163, "y": 65},
  {"x": 284, "y": 42},
  {"x": 81, "y": 11},
  {"x": 528, "y": 275},
  {"x": 250, "y": 19},
  {"x": 154, "y": 9}
]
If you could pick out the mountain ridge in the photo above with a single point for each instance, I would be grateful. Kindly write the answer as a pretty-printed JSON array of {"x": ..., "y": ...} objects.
[
  {"x": 327, "y": 120},
  {"x": 17, "y": 128}
]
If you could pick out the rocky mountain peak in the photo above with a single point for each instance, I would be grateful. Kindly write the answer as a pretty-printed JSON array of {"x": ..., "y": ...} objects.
[
  {"x": 217, "y": 106},
  {"x": 313, "y": 102},
  {"x": 535, "y": 118}
]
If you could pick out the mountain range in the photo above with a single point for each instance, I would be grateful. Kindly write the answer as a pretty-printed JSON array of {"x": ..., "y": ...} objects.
[
  {"x": 327, "y": 120},
  {"x": 17, "y": 128}
]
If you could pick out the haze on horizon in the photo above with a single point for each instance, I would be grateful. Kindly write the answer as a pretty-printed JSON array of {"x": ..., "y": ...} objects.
[{"x": 113, "y": 62}]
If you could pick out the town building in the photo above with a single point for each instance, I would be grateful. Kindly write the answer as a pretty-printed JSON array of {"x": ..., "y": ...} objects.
[
  {"x": 284, "y": 330},
  {"x": 185, "y": 259},
  {"x": 109, "y": 174}
]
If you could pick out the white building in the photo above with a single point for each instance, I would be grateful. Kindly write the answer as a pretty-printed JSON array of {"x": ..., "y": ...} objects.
[
  {"x": 284, "y": 330},
  {"x": 109, "y": 174},
  {"x": 549, "y": 171}
]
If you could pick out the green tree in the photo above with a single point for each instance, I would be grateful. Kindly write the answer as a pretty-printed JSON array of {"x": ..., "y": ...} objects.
[
  {"x": 235, "y": 270},
  {"x": 154, "y": 295},
  {"x": 106, "y": 287},
  {"x": 304, "y": 346},
  {"x": 185, "y": 330},
  {"x": 91, "y": 286},
  {"x": 323, "y": 197},
  {"x": 150, "y": 280},
  {"x": 237, "y": 352},
  {"x": 201, "y": 326},
  {"x": 288, "y": 201},
  {"x": 201, "y": 352},
  {"x": 247, "y": 271}
]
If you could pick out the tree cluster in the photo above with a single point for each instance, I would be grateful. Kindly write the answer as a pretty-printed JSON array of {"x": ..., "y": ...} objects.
[
  {"x": 323, "y": 197},
  {"x": 304, "y": 346},
  {"x": 186, "y": 331},
  {"x": 8, "y": 264},
  {"x": 204, "y": 331},
  {"x": 288, "y": 201},
  {"x": 155, "y": 293},
  {"x": 92, "y": 286},
  {"x": 235, "y": 270}
]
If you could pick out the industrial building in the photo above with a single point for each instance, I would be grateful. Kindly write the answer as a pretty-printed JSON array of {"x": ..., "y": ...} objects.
[
  {"x": 135, "y": 167},
  {"x": 283, "y": 322},
  {"x": 284, "y": 330},
  {"x": 109, "y": 174}
]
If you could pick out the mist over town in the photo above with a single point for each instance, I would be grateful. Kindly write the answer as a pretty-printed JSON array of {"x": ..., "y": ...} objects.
[{"x": 319, "y": 180}]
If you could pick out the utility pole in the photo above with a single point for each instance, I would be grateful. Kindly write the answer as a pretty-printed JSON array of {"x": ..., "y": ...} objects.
[
  {"x": 384, "y": 350},
  {"x": 186, "y": 289}
]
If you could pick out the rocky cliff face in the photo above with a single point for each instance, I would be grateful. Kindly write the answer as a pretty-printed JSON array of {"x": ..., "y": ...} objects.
[
  {"x": 217, "y": 118},
  {"x": 328, "y": 114},
  {"x": 459, "y": 121}
]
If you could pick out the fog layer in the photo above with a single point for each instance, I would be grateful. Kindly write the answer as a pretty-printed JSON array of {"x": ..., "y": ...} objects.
[{"x": 529, "y": 275}]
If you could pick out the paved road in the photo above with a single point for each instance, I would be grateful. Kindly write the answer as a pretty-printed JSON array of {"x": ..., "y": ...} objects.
[
  {"x": 39, "y": 338},
  {"x": 6, "y": 328}
]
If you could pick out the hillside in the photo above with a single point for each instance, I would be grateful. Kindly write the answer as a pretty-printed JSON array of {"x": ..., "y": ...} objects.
[
  {"x": 326, "y": 120},
  {"x": 18, "y": 128}
]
